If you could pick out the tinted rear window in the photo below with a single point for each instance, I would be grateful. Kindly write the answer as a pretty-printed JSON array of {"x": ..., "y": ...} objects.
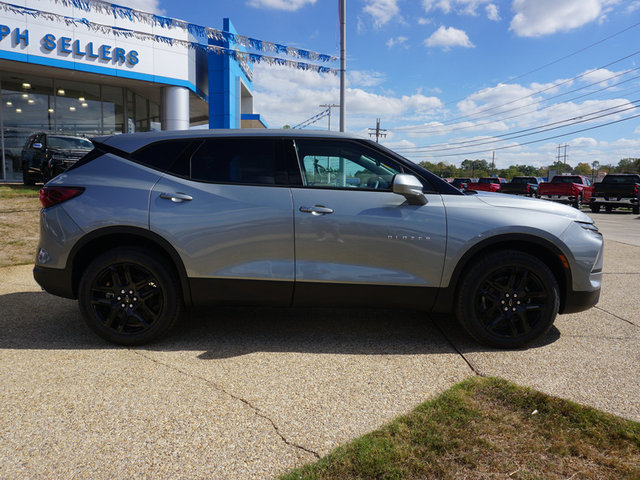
[
  {"x": 621, "y": 179},
  {"x": 238, "y": 160},
  {"x": 162, "y": 155}
]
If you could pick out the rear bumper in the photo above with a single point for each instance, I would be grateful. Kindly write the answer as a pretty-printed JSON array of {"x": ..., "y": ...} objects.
[{"x": 55, "y": 281}]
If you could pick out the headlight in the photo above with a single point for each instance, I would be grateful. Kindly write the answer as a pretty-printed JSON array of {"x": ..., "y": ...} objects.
[{"x": 589, "y": 226}]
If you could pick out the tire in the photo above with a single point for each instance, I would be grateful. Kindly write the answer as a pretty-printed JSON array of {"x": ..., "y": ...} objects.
[
  {"x": 635, "y": 209},
  {"x": 595, "y": 208},
  {"x": 577, "y": 203},
  {"x": 129, "y": 297},
  {"x": 508, "y": 299}
]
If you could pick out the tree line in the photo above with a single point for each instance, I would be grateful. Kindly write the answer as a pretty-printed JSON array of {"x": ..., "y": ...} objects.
[{"x": 483, "y": 168}]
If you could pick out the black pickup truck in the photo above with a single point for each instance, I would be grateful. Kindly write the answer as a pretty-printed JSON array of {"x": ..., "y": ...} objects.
[
  {"x": 522, "y": 186},
  {"x": 617, "y": 190}
]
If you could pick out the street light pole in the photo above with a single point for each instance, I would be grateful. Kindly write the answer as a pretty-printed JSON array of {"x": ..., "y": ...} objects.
[{"x": 343, "y": 60}]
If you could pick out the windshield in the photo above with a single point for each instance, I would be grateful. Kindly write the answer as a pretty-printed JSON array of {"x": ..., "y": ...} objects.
[
  {"x": 488, "y": 180},
  {"x": 69, "y": 143}
]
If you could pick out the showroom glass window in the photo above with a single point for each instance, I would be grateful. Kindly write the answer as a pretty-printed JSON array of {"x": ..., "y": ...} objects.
[
  {"x": 27, "y": 107},
  {"x": 78, "y": 108}
]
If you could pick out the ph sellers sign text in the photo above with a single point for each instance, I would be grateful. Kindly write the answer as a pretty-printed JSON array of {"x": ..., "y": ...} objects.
[{"x": 66, "y": 46}]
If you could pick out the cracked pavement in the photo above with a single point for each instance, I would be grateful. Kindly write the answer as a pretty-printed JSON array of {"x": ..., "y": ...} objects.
[{"x": 250, "y": 393}]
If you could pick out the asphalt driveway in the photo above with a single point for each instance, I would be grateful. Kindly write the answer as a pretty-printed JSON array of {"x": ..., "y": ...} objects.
[{"x": 250, "y": 393}]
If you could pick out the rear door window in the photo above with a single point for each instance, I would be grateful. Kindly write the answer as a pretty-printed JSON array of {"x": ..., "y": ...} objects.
[
  {"x": 166, "y": 156},
  {"x": 248, "y": 161}
]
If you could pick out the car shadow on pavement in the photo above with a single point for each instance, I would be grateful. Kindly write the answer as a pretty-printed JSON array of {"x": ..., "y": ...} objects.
[{"x": 37, "y": 320}]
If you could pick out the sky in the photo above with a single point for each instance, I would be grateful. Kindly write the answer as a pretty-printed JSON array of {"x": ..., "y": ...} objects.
[{"x": 453, "y": 79}]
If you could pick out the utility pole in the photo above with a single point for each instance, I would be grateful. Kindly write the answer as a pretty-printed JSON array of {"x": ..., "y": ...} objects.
[
  {"x": 343, "y": 54},
  {"x": 563, "y": 156},
  {"x": 329, "y": 106},
  {"x": 377, "y": 131}
]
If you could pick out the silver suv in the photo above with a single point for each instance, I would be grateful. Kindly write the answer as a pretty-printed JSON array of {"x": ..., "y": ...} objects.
[{"x": 148, "y": 224}]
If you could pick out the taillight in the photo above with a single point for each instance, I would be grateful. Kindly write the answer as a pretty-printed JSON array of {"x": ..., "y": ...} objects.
[
  {"x": 528, "y": 188},
  {"x": 50, "y": 196}
]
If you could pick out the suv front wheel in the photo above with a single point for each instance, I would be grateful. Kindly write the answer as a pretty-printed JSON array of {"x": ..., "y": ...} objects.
[
  {"x": 508, "y": 299},
  {"x": 129, "y": 297}
]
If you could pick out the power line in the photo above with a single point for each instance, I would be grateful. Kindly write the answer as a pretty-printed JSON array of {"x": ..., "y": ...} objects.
[
  {"x": 530, "y": 142},
  {"x": 557, "y": 60},
  {"x": 541, "y": 128},
  {"x": 556, "y": 85},
  {"x": 433, "y": 128},
  {"x": 312, "y": 120}
]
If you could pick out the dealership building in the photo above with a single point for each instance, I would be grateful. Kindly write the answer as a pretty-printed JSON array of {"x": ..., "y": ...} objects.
[{"x": 86, "y": 67}]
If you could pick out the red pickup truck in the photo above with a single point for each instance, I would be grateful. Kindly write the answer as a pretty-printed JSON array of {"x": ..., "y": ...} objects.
[
  {"x": 487, "y": 184},
  {"x": 572, "y": 189}
]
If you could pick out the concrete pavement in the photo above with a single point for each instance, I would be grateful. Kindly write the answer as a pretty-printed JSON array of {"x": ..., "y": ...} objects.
[{"x": 251, "y": 393}]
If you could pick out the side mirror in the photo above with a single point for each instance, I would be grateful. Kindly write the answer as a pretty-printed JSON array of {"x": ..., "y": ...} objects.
[
  {"x": 410, "y": 188},
  {"x": 37, "y": 145}
]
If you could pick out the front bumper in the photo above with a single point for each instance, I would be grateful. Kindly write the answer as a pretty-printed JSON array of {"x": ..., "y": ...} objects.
[{"x": 580, "y": 301}]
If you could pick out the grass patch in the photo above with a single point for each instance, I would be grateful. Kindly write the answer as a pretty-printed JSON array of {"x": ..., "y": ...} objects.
[
  {"x": 487, "y": 428},
  {"x": 17, "y": 190},
  {"x": 19, "y": 224}
]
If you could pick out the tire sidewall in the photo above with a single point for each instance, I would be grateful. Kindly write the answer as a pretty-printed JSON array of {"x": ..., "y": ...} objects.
[
  {"x": 172, "y": 300},
  {"x": 485, "y": 267}
]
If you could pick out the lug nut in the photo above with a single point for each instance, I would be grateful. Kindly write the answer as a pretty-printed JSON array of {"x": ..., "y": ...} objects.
[{"x": 123, "y": 305}]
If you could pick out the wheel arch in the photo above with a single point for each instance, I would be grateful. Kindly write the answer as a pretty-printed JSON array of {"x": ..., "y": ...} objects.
[
  {"x": 540, "y": 248},
  {"x": 108, "y": 238}
]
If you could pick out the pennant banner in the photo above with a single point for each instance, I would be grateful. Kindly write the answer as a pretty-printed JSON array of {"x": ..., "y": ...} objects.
[
  {"x": 131, "y": 14},
  {"x": 208, "y": 32}
]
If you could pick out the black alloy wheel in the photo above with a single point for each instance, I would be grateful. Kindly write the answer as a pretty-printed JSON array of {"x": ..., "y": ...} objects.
[
  {"x": 508, "y": 300},
  {"x": 129, "y": 297}
]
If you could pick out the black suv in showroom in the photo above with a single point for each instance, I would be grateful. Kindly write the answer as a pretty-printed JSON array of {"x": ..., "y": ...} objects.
[{"x": 46, "y": 155}]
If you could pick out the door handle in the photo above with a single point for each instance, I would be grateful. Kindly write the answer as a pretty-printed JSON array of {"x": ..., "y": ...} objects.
[
  {"x": 316, "y": 210},
  {"x": 176, "y": 197}
]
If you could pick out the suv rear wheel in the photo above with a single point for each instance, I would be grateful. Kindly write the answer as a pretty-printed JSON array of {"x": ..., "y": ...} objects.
[
  {"x": 508, "y": 299},
  {"x": 129, "y": 297}
]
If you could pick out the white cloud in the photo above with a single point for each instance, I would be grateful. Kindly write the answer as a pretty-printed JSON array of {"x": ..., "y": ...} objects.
[
  {"x": 382, "y": 11},
  {"x": 287, "y": 96},
  {"x": 424, "y": 21},
  {"x": 289, "y": 5},
  {"x": 152, "y": 6},
  {"x": 633, "y": 6},
  {"x": 534, "y": 18},
  {"x": 364, "y": 78},
  {"x": 463, "y": 7},
  {"x": 397, "y": 42},
  {"x": 448, "y": 37},
  {"x": 492, "y": 12},
  {"x": 582, "y": 142}
]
